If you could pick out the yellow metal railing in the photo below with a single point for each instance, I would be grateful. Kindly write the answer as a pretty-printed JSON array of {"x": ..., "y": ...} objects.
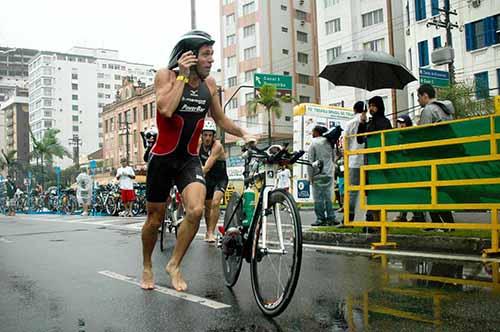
[{"x": 433, "y": 184}]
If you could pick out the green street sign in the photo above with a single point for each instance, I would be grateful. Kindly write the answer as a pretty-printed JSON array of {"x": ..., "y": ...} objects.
[
  {"x": 281, "y": 82},
  {"x": 435, "y": 82}
]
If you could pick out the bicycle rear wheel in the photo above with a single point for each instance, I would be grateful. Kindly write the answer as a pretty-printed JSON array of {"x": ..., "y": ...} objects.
[
  {"x": 231, "y": 264},
  {"x": 275, "y": 272}
]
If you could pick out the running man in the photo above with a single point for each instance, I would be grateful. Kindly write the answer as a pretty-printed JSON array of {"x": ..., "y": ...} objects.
[
  {"x": 213, "y": 159},
  {"x": 183, "y": 98}
]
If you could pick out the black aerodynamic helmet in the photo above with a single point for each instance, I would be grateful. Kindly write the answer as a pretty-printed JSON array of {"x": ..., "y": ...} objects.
[{"x": 191, "y": 41}]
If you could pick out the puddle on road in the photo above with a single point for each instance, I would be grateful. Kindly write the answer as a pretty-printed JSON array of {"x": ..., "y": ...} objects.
[{"x": 418, "y": 295}]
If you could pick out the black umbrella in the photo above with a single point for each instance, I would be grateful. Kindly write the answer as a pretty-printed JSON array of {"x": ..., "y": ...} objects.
[{"x": 367, "y": 70}]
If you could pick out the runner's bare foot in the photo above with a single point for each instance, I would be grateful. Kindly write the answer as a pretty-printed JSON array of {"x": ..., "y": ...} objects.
[
  {"x": 210, "y": 238},
  {"x": 175, "y": 275},
  {"x": 147, "y": 281}
]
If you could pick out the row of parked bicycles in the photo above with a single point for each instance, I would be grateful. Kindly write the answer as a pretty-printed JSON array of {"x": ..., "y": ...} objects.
[{"x": 106, "y": 200}]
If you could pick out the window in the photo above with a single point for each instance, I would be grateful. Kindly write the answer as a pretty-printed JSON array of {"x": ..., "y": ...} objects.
[
  {"x": 230, "y": 39},
  {"x": 145, "y": 111},
  {"x": 248, "y": 8},
  {"x": 434, "y": 7},
  {"x": 107, "y": 96},
  {"x": 233, "y": 104},
  {"x": 75, "y": 129},
  {"x": 118, "y": 77},
  {"x": 100, "y": 95},
  {"x": 496, "y": 22},
  {"x": 100, "y": 75},
  {"x": 420, "y": 13},
  {"x": 283, "y": 7},
  {"x": 482, "y": 85},
  {"x": 301, "y": 15},
  {"x": 332, "y": 53},
  {"x": 302, "y": 36},
  {"x": 231, "y": 61},
  {"x": 107, "y": 86},
  {"x": 248, "y": 97},
  {"x": 375, "y": 45},
  {"x": 482, "y": 33},
  {"x": 371, "y": 18},
  {"x": 75, "y": 118},
  {"x": 134, "y": 111},
  {"x": 74, "y": 86},
  {"x": 249, "y": 53},
  {"x": 304, "y": 99},
  {"x": 230, "y": 19},
  {"x": 47, "y": 114},
  {"x": 436, "y": 42},
  {"x": 284, "y": 51},
  {"x": 74, "y": 97},
  {"x": 249, "y": 31},
  {"x": 47, "y": 123},
  {"x": 232, "y": 81},
  {"x": 106, "y": 126},
  {"x": 119, "y": 119},
  {"x": 410, "y": 59},
  {"x": 74, "y": 107},
  {"x": 284, "y": 29},
  {"x": 303, "y": 79},
  {"x": 127, "y": 116},
  {"x": 423, "y": 54},
  {"x": 302, "y": 57},
  {"x": 332, "y": 26},
  {"x": 100, "y": 85},
  {"x": 330, "y": 3},
  {"x": 104, "y": 66},
  {"x": 249, "y": 75},
  {"x": 74, "y": 76},
  {"x": 152, "y": 109},
  {"x": 286, "y": 73}
]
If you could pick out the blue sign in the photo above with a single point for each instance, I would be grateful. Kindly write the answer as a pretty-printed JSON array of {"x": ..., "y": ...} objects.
[
  {"x": 93, "y": 164},
  {"x": 235, "y": 161},
  {"x": 303, "y": 189},
  {"x": 431, "y": 73},
  {"x": 57, "y": 169}
]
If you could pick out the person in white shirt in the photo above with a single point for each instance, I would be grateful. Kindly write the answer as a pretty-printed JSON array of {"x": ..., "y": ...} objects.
[
  {"x": 126, "y": 176},
  {"x": 355, "y": 161},
  {"x": 84, "y": 190},
  {"x": 284, "y": 178}
]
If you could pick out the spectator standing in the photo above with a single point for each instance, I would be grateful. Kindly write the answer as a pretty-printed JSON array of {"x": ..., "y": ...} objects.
[
  {"x": 435, "y": 111},
  {"x": 284, "y": 176},
  {"x": 322, "y": 183},
  {"x": 125, "y": 175},
  {"x": 84, "y": 190},
  {"x": 355, "y": 161},
  {"x": 11, "y": 195},
  {"x": 377, "y": 122}
]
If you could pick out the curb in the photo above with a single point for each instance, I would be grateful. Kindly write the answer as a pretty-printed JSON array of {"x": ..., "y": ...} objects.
[{"x": 446, "y": 244}]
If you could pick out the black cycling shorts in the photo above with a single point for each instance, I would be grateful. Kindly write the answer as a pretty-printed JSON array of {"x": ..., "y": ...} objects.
[
  {"x": 214, "y": 185},
  {"x": 165, "y": 171}
]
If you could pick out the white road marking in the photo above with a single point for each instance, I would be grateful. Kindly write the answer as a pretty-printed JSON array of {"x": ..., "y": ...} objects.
[
  {"x": 401, "y": 253},
  {"x": 181, "y": 295},
  {"x": 4, "y": 240}
]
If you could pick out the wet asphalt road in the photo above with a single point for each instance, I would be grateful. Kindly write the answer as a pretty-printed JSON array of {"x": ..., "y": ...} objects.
[{"x": 50, "y": 281}]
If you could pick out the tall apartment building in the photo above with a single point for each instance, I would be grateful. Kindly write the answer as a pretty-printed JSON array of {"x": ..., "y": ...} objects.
[
  {"x": 351, "y": 25},
  {"x": 69, "y": 90},
  {"x": 15, "y": 121},
  {"x": 13, "y": 69},
  {"x": 267, "y": 37},
  {"x": 476, "y": 43}
]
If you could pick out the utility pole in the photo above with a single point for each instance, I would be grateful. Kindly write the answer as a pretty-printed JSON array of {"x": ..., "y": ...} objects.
[
  {"x": 448, "y": 25},
  {"x": 127, "y": 135},
  {"x": 76, "y": 141},
  {"x": 193, "y": 14}
]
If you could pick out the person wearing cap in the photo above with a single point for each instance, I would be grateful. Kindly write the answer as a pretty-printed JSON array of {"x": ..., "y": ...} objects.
[
  {"x": 184, "y": 94},
  {"x": 355, "y": 160},
  {"x": 405, "y": 121},
  {"x": 322, "y": 183},
  {"x": 125, "y": 175},
  {"x": 213, "y": 159}
]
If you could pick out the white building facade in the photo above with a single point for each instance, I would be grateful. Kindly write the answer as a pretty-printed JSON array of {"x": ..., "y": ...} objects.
[
  {"x": 68, "y": 91},
  {"x": 351, "y": 25}
]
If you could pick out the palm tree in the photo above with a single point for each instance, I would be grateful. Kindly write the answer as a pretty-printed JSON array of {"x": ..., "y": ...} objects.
[
  {"x": 8, "y": 161},
  {"x": 271, "y": 100},
  {"x": 48, "y": 148}
]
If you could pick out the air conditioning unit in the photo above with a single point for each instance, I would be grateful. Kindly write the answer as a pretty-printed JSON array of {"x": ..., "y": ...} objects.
[
  {"x": 476, "y": 3},
  {"x": 302, "y": 23},
  {"x": 407, "y": 31},
  {"x": 442, "y": 55}
]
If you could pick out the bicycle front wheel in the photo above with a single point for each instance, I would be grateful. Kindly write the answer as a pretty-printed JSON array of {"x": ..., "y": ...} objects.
[{"x": 275, "y": 264}]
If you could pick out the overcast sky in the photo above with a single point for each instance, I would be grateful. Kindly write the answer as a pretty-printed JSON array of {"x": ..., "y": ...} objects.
[{"x": 142, "y": 31}]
